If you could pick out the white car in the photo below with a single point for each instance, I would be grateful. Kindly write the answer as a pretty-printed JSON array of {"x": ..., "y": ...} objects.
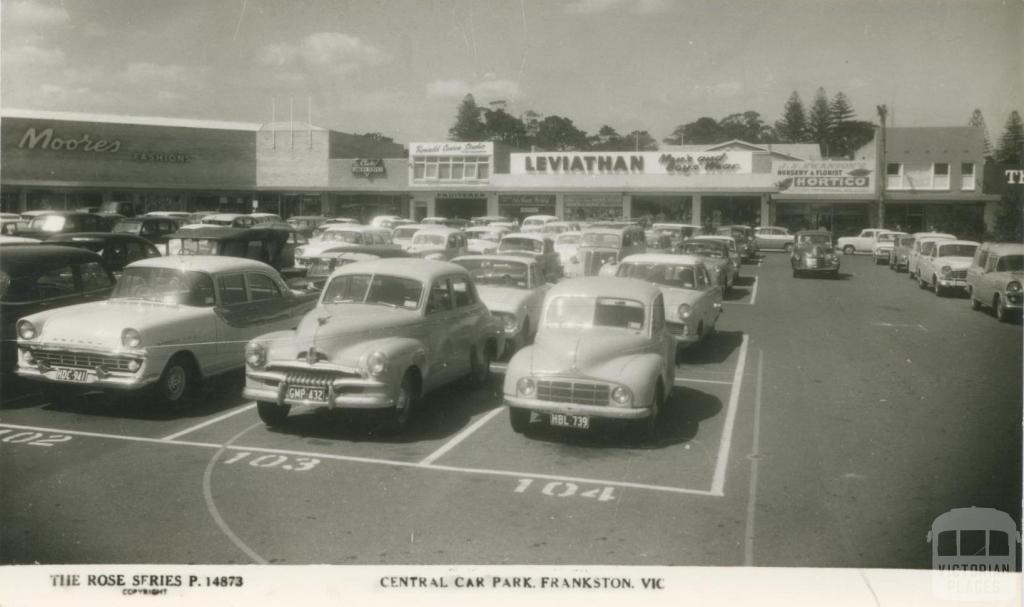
[
  {"x": 773, "y": 238},
  {"x": 342, "y": 235},
  {"x": 484, "y": 239},
  {"x": 567, "y": 245},
  {"x": 946, "y": 266},
  {"x": 862, "y": 243},
  {"x": 923, "y": 242},
  {"x": 536, "y": 223},
  {"x": 734, "y": 253},
  {"x": 884, "y": 245}
]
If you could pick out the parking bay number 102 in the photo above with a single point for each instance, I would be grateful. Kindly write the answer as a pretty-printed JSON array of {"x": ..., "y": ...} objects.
[{"x": 567, "y": 489}]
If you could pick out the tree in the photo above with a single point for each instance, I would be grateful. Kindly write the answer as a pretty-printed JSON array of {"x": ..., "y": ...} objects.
[
  {"x": 850, "y": 136},
  {"x": 703, "y": 131},
  {"x": 639, "y": 141},
  {"x": 468, "y": 126},
  {"x": 1011, "y": 141},
  {"x": 841, "y": 109},
  {"x": 792, "y": 127},
  {"x": 819, "y": 122},
  {"x": 558, "y": 133},
  {"x": 607, "y": 138},
  {"x": 978, "y": 121},
  {"x": 747, "y": 126},
  {"x": 504, "y": 128}
]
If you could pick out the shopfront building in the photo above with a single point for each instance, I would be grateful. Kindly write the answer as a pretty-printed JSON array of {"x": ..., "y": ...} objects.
[
  {"x": 453, "y": 178},
  {"x": 839, "y": 196}
]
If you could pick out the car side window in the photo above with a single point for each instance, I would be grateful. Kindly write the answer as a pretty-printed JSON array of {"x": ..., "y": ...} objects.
[
  {"x": 463, "y": 292},
  {"x": 658, "y": 315},
  {"x": 439, "y": 299},
  {"x": 981, "y": 257},
  {"x": 991, "y": 263},
  {"x": 537, "y": 278},
  {"x": 231, "y": 289},
  {"x": 261, "y": 287},
  {"x": 94, "y": 276},
  {"x": 701, "y": 278},
  {"x": 256, "y": 250}
]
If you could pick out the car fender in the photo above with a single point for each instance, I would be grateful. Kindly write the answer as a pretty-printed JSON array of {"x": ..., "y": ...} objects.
[
  {"x": 402, "y": 353},
  {"x": 637, "y": 374},
  {"x": 518, "y": 366}
]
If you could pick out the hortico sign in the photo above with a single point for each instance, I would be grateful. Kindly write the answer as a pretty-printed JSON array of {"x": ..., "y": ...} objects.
[{"x": 824, "y": 177}]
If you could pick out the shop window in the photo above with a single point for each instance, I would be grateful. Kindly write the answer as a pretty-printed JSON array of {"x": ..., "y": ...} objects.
[
  {"x": 450, "y": 168},
  {"x": 444, "y": 168},
  {"x": 418, "y": 170},
  {"x": 940, "y": 176},
  {"x": 432, "y": 170},
  {"x": 457, "y": 170},
  {"x": 967, "y": 176},
  {"x": 917, "y": 176},
  {"x": 483, "y": 170},
  {"x": 893, "y": 176}
]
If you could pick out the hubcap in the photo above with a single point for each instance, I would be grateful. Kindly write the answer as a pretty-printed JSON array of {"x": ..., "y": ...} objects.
[{"x": 175, "y": 383}]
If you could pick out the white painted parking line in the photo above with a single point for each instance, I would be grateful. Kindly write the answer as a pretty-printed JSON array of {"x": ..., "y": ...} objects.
[
  {"x": 210, "y": 422},
  {"x": 753, "y": 297},
  {"x": 718, "y": 481},
  {"x": 461, "y": 436},
  {"x": 754, "y": 457}
]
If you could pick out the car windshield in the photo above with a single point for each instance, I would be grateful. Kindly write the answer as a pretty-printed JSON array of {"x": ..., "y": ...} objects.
[
  {"x": 886, "y": 237},
  {"x": 404, "y": 232},
  {"x": 127, "y": 227},
  {"x": 533, "y": 222},
  {"x": 670, "y": 275},
  {"x": 376, "y": 289},
  {"x": 521, "y": 244},
  {"x": 1010, "y": 263},
  {"x": 166, "y": 285},
  {"x": 498, "y": 273},
  {"x": 555, "y": 228},
  {"x": 905, "y": 241},
  {"x": 193, "y": 246},
  {"x": 342, "y": 236},
  {"x": 567, "y": 312},
  {"x": 704, "y": 249},
  {"x": 218, "y": 222},
  {"x": 429, "y": 239},
  {"x": 601, "y": 240},
  {"x": 957, "y": 250},
  {"x": 564, "y": 239},
  {"x": 814, "y": 239},
  {"x": 47, "y": 223}
]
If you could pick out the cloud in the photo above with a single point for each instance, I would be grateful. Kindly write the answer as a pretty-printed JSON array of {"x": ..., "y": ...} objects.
[
  {"x": 28, "y": 13},
  {"x": 720, "y": 90},
  {"x": 488, "y": 89},
  {"x": 142, "y": 73},
  {"x": 337, "y": 52},
  {"x": 591, "y": 7},
  {"x": 32, "y": 56}
]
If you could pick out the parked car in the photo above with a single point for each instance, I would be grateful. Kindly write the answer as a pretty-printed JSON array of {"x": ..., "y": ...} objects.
[
  {"x": 554, "y": 228},
  {"x": 995, "y": 276},
  {"x": 170, "y": 323},
  {"x": 513, "y": 289},
  {"x": 658, "y": 242},
  {"x": 924, "y": 242},
  {"x": 274, "y": 245},
  {"x": 155, "y": 229},
  {"x": 605, "y": 246},
  {"x": 388, "y": 221},
  {"x": 899, "y": 255},
  {"x": 229, "y": 220},
  {"x": 111, "y": 219},
  {"x": 678, "y": 232},
  {"x": 535, "y": 245},
  {"x": 306, "y": 224},
  {"x": 886, "y": 242},
  {"x": 536, "y": 223},
  {"x": 567, "y": 245},
  {"x": 342, "y": 235},
  {"x": 693, "y": 300},
  {"x": 439, "y": 243},
  {"x": 731, "y": 246},
  {"x": 117, "y": 249},
  {"x": 862, "y": 243},
  {"x": 6, "y": 240},
  {"x": 744, "y": 237},
  {"x": 715, "y": 254},
  {"x": 945, "y": 267},
  {"x": 773, "y": 238},
  {"x": 263, "y": 218},
  {"x": 332, "y": 222},
  {"x": 198, "y": 216},
  {"x": 384, "y": 334},
  {"x": 487, "y": 220},
  {"x": 52, "y": 222},
  {"x": 813, "y": 253},
  {"x": 324, "y": 264},
  {"x": 483, "y": 240},
  {"x": 602, "y": 351},
  {"x": 402, "y": 235},
  {"x": 448, "y": 222},
  {"x": 183, "y": 216},
  {"x": 45, "y": 277}
]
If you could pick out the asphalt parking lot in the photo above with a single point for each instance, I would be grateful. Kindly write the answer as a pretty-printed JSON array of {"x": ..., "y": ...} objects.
[{"x": 826, "y": 423}]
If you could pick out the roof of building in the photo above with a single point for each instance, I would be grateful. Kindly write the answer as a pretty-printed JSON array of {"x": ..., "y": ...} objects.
[
  {"x": 125, "y": 119},
  {"x": 798, "y": 151}
]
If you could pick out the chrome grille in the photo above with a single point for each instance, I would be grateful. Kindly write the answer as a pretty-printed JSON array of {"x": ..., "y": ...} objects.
[
  {"x": 958, "y": 275},
  {"x": 577, "y": 393},
  {"x": 82, "y": 360},
  {"x": 593, "y": 260},
  {"x": 316, "y": 378},
  {"x": 678, "y": 330},
  {"x": 320, "y": 267}
]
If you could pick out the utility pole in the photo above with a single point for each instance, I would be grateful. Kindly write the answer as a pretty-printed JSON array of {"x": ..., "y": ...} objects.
[{"x": 881, "y": 173}]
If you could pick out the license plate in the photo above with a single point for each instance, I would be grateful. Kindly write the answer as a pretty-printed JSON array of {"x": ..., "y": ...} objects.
[
  {"x": 79, "y": 376},
  {"x": 562, "y": 420},
  {"x": 317, "y": 395}
]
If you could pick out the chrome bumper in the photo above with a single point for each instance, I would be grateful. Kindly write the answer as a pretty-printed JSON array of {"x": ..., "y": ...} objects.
[
  {"x": 544, "y": 406},
  {"x": 348, "y": 393},
  {"x": 98, "y": 377}
]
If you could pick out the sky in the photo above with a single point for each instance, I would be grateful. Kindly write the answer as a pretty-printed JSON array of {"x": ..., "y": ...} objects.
[{"x": 401, "y": 67}]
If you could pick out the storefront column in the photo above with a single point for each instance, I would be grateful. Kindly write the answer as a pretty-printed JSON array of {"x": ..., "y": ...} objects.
[
  {"x": 22, "y": 200},
  {"x": 560, "y": 205},
  {"x": 492, "y": 204},
  {"x": 432, "y": 206},
  {"x": 765, "y": 214},
  {"x": 695, "y": 210},
  {"x": 627, "y": 206}
]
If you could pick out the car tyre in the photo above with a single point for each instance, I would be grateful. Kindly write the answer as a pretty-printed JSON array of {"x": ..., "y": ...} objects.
[
  {"x": 1002, "y": 314},
  {"x": 975, "y": 304},
  {"x": 939, "y": 290},
  {"x": 921, "y": 283},
  {"x": 649, "y": 426},
  {"x": 177, "y": 382},
  {"x": 273, "y": 414},
  {"x": 848, "y": 249},
  {"x": 480, "y": 365},
  {"x": 398, "y": 418},
  {"x": 519, "y": 419},
  {"x": 788, "y": 248}
]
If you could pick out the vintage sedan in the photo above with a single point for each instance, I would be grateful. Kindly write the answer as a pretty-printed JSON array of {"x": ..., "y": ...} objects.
[
  {"x": 536, "y": 223},
  {"x": 744, "y": 236},
  {"x": 438, "y": 242},
  {"x": 323, "y": 265},
  {"x": 483, "y": 240},
  {"x": 995, "y": 277},
  {"x": 678, "y": 232},
  {"x": 342, "y": 235},
  {"x": 605, "y": 246},
  {"x": 49, "y": 223},
  {"x": 229, "y": 220},
  {"x": 602, "y": 351},
  {"x": 513, "y": 289},
  {"x": 863, "y": 242},
  {"x": 924, "y": 243},
  {"x": 899, "y": 255},
  {"x": 306, "y": 224},
  {"x": 154, "y": 228},
  {"x": 813, "y": 253},
  {"x": 715, "y": 255},
  {"x": 45, "y": 277},
  {"x": 272, "y": 244},
  {"x": 117, "y": 249},
  {"x": 886, "y": 242},
  {"x": 945, "y": 267},
  {"x": 773, "y": 238},
  {"x": 384, "y": 334},
  {"x": 731, "y": 247},
  {"x": 536, "y": 245},
  {"x": 693, "y": 300},
  {"x": 170, "y": 323}
]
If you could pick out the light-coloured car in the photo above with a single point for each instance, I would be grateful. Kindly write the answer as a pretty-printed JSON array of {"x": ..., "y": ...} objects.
[
  {"x": 385, "y": 221},
  {"x": 862, "y": 243},
  {"x": 567, "y": 245},
  {"x": 678, "y": 232},
  {"x": 342, "y": 235},
  {"x": 535, "y": 245},
  {"x": 602, "y": 247},
  {"x": 945, "y": 267},
  {"x": 899, "y": 255},
  {"x": 773, "y": 238},
  {"x": 169, "y": 323},
  {"x": 10, "y": 240},
  {"x": 693, "y": 300},
  {"x": 536, "y": 223},
  {"x": 383, "y": 334},
  {"x": 603, "y": 350},
  {"x": 734, "y": 250},
  {"x": 484, "y": 239},
  {"x": 261, "y": 218},
  {"x": 513, "y": 289},
  {"x": 886, "y": 242},
  {"x": 995, "y": 276},
  {"x": 439, "y": 243},
  {"x": 554, "y": 228},
  {"x": 924, "y": 242},
  {"x": 715, "y": 254},
  {"x": 229, "y": 220},
  {"x": 402, "y": 235}
]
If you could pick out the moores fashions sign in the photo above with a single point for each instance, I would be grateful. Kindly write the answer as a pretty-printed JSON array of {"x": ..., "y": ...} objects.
[
  {"x": 52, "y": 141},
  {"x": 631, "y": 163},
  {"x": 824, "y": 177}
]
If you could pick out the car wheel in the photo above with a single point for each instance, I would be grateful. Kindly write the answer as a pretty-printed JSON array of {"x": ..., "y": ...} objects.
[
  {"x": 975, "y": 304},
  {"x": 519, "y": 419},
  {"x": 649, "y": 427},
  {"x": 939, "y": 291},
  {"x": 480, "y": 365},
  {"x": 1001, "y": 312},
  {"x": 397, "y": 419},
  {"x": 59, "y": 395},
  {"x": 273, "y": 414},
  {"x": 177, "y": 382},
  {"x": 848, "y": 249},
  {"x": 788, "y": 248},
  {"x": 878, "y": 261},
  {"x": 921, "y": 283}
]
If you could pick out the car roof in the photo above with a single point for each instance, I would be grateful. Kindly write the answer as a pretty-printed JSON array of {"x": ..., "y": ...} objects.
[
  {"x": 1003, "y": 248},
  {"x": 666, "y": 258},
  {"x": 527, "y": 236},
  {"x": 439, "y": 229},
  {"x": 224, "y": 216},
  {"x": 932, "y": 234},
  {"x": 607, "y": 286},
  {"x": 211, "y": 264},
  {"x": 94, "y": 237},
  {"x": 305, "y": 217},
  {"x": 965, "y": 242},
  {"x": 45, "y": 254},
  {"x": 423, "y": 270},
  {"x": 352, "y": 227},
  {"x": 227, "y": 233},
  {"x": 378, "y": 250},
  {"x": 505, "y": 258},
  {"x": 414, "y": 226}
]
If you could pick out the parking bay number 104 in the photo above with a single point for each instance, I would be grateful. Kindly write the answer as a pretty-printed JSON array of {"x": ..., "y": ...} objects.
[{"x": 567, "y": 489}]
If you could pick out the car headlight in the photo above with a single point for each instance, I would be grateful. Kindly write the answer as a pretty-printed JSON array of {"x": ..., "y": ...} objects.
[
  {"x": 683, "y": 311},
  {"x": 134, "y": 365},
  {"x": 509, "y": 322},
  {"x": 27, "y": 330},
  {"x": 130, "y": 338},
  {"x": 622, "y": 395},
  {"x": 255, "y": 355},
  {"x": 946, "y": 270},
  {"x": 376, "y": 364},
  {"x": 526, "y": 386},
  {"x": 1013, "y": 287},
  {"x": 299, "y": 251}
]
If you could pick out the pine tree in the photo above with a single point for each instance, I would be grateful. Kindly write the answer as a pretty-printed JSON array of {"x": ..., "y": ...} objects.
[
  {"x": 978, "y": 121},
  {"x": 819, "y": 123},
  {"x": 468, "y": 125},
  {"x": 841, "y": 109},
  {"x": 1010, "y": 143},
  {"x": 793, "y": 126}
]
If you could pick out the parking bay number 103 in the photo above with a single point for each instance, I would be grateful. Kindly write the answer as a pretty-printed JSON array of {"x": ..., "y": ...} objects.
[{"x": 567, "y": 489}]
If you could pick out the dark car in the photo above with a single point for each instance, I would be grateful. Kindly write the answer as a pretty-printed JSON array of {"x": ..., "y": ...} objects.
[
  {"x": 271, "y": 244},
  {"x": 54, "y": 222},
  {"x": 324, "y": 263},
  {"x": 42, "y": 277},
  {"x": 813, "y": 253},
  {"x": 155, "y": 229},
  {"x": 116, "y": 249},
  {"x": 715, "y": 255},
  {"x": 745, "y": 239}
]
